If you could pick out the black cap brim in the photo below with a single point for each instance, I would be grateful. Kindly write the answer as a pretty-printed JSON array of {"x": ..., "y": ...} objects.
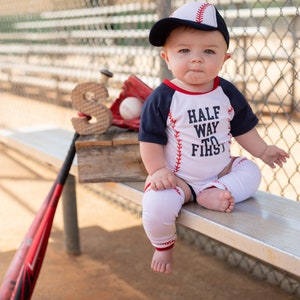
[{"x": 161, "y": 29}]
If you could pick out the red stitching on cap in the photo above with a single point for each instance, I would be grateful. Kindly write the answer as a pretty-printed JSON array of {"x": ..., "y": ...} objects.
[{"x": 201, "y": 11}]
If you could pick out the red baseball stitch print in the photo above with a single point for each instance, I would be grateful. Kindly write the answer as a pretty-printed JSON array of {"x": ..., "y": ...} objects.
[
  {"x": 167, "y": 243},
  {"x": 242, "y": 160},
  {"x": 166, "y": 246},
  {"x": 230, "y": 110},
  {"x": 179, "y": 144},
  {"x": 221, "y": 183},
  {"x": 230, "y": 113},
  {"x": 201, "y": 11},
  {"x": 177, "y": 190}
]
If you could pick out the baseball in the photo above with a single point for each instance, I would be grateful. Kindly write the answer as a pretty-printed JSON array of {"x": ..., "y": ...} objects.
[{"x": 130, "y": 108}]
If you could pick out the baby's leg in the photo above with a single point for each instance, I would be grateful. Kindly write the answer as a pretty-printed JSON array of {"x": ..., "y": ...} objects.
[
  {"x": 238, "y": 183},
  {"x": 160, "y": 210},
  {"x": 243, "y": 180}
]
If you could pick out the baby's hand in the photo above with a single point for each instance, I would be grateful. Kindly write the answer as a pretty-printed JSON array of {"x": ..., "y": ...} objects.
[
  {"x": 162, "y": 179},
  {"x": 273, "y": 156}
]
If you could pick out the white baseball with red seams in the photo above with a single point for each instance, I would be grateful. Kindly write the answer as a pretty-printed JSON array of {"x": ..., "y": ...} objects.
[{"x": 131, "y": 108}]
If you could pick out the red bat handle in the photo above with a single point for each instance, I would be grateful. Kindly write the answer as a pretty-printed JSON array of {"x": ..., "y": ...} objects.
[
  {"x": 34, "y": 259},
  {"x": 12, "y": 274}
]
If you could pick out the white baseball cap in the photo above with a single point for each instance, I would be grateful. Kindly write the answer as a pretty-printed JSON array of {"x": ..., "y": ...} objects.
[{"x": 198, "y": 15}]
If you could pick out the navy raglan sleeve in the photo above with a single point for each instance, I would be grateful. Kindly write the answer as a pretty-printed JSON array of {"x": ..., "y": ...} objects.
[
  {"x": 244, "y": 119},
  {"x": 154, "y": 116}
]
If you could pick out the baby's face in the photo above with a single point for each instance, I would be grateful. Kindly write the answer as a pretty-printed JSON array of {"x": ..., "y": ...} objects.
[{"x": 195, "y": 57}]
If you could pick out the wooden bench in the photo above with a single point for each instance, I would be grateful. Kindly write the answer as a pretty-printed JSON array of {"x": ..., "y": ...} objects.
[{"x": 266, "y": 226}]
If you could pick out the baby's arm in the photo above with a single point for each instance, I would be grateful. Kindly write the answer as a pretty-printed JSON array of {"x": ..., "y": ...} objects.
[
  {"x": 153, "y": 158},
  {"x": 255, "y": 145}
]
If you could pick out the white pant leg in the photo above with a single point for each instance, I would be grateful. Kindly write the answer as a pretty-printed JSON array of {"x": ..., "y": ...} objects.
[
  {"x": 160, "y": 210},
  {"x": 242, "y": 181}
]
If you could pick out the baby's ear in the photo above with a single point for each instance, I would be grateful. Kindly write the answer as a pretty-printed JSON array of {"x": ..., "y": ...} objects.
[
  {"x": 164, "y": 55},
  {"x": 227, "y": 56}
]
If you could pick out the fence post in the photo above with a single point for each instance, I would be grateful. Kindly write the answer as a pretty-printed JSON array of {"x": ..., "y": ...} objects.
[
  {"x": 295, "y": 23},
  {"x": 69, "y": 205},
  {"x": 163, "y": 11}
]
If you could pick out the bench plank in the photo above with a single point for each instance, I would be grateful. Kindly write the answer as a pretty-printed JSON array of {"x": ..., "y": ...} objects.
[
  {"x": 47, "y": 143},
  {"x": 102, "y": 10},
  {"x": 76, "y": 49},
  {"x": 265, "y": 226}
]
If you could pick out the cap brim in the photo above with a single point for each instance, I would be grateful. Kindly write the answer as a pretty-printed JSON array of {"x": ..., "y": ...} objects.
[{"x": 161, "y": 29}]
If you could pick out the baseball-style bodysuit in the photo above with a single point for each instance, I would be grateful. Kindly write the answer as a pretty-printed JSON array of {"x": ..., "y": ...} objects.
[{"x": 195, "y": 130}]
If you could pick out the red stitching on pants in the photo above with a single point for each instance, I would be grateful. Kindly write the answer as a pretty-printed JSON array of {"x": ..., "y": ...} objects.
[
  {"x": 169, "y": 245},
  {"x": 219, "y": 182},
  {"x": 165, "y": 249}
]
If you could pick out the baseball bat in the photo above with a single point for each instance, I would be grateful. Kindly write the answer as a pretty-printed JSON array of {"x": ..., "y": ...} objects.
[
  {"x": 11, "y": 276},
  {"x": 23, "y": 272}
]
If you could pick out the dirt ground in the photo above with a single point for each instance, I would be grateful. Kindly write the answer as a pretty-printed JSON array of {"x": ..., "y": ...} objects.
[{"x": 115, "y": 258}]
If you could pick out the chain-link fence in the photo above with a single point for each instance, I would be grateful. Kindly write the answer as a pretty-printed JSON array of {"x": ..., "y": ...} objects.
[{"x": 48, "y": 47}]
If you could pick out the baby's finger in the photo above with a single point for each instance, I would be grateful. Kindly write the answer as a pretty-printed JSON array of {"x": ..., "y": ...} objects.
[
  {"x": 153, "y": 186},
  {"x": 280, "y": 161}
]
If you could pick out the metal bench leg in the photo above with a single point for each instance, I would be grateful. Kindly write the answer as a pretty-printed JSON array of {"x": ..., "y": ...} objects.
[{"x": 71, "y": 231}]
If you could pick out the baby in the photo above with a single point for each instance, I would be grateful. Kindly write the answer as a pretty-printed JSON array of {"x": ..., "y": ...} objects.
[{"x": 187, "y": 125}]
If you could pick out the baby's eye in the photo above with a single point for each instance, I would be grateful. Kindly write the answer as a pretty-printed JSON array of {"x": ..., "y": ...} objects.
[
  {"x": 184, "y": 50},
  {"x": 209, "y": 51}
]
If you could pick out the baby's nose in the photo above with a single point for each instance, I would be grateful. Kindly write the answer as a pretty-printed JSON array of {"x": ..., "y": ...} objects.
[{"x": 197, "y": 58}]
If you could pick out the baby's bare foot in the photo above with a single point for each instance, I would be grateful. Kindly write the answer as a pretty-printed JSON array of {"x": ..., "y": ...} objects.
[
  {"x": 216, "y": 199},
  {"x": 162, "y": 261}
]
